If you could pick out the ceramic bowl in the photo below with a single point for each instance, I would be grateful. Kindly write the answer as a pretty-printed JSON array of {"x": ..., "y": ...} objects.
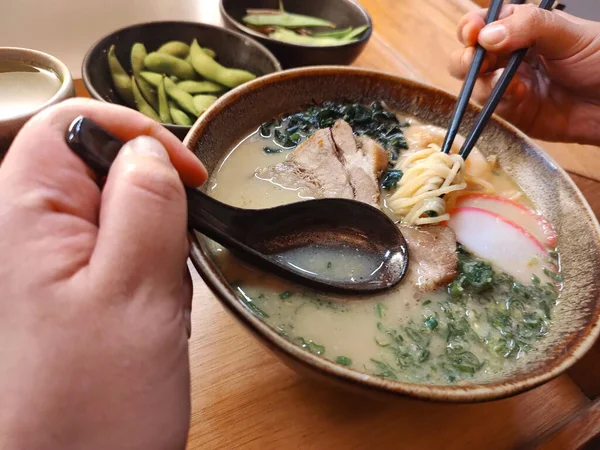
[
  {"x": 233, "y": 50},
  {"x": 11, "y": 125},
  {"x": 576, "y": 317},
  {"x": 344, "y": 13}
]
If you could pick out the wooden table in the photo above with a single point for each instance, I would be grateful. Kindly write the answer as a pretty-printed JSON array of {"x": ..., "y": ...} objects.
[{"x": 243, "y": 397}]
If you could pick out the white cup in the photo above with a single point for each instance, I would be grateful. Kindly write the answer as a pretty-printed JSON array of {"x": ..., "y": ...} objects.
[{"x": 10, "y": 126}]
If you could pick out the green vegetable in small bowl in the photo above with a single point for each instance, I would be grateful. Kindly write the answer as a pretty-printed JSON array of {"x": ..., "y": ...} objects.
[
  {"x": 149, "y": 67},
  {"x": 151, "y": 86},
  {"x": 303, "y": 33},
  {"x": 300, "y": 29}
]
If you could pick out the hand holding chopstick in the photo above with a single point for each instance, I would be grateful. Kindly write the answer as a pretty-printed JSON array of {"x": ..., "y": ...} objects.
[{"x": 496, "y": 94}]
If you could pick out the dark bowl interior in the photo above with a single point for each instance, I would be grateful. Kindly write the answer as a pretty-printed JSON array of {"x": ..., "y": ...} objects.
[
  {"x": 343, "y": 13},
  {"x": 233, "y": 50}
]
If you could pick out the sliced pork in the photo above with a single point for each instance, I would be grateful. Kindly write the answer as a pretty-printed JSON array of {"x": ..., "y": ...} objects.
[
  {"x": 333, "y": 163},
  {"x": 433, "y": 261},
  {"x": 364, "y": 160},
  {"x": 313, "y": 168}
]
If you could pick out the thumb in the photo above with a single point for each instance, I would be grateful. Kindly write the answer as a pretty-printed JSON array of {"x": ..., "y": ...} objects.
[
  {"x": 143, "y": 218},
  {"x": 553, "y": 35}
]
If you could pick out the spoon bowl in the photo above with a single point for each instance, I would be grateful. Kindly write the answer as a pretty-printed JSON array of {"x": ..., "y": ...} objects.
[{"x": 278, "y": 239}]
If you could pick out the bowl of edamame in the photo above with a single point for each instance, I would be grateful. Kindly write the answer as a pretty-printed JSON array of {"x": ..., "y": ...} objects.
[
  {"x": 303, "y": 32},
  {"x": 173, "y": 71}
]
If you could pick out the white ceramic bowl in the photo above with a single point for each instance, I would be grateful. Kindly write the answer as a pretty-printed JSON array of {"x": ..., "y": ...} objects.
[{"x": 10, "y": 126}]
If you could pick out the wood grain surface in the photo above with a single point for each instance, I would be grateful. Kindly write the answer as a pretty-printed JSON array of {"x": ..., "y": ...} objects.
[
  {"x": 580, "y": 431},
  {"x": 243, "y": 397}
]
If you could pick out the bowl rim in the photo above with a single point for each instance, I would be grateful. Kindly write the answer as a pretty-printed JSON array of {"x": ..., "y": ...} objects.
[
  {"x": 247, "y": 30},
  {"x": 443, "y": 393},
  {"x": 50, "y": 62},
  {"x": 96, "y": 95}
]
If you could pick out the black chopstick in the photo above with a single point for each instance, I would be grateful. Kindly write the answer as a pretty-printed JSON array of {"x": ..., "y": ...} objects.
[
  {"x": 469, "y": 83},
  {"x": 497, "y": 93}
]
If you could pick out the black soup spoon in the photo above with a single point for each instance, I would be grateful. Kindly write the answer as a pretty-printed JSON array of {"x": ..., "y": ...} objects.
[{"x": 285, "y": 240}]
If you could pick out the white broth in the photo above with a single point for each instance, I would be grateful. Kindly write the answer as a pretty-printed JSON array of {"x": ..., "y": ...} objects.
[{"x": 440, "y": 337}]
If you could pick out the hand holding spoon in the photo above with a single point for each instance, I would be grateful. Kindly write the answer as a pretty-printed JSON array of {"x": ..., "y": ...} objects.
[{"x": 273, "y": 238}]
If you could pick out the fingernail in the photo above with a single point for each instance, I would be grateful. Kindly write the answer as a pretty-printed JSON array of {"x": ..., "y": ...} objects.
[
  {"x": 187, "y": 317},
  {"x": 146, "y": 145},
  {"x": 496, "y": 77},
  {"x": 493, "y": 34}
]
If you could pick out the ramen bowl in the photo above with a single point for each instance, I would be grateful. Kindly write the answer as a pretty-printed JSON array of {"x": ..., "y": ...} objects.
[{"x": 576, "y": 317}]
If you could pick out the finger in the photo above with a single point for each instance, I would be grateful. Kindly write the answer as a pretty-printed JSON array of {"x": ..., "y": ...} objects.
[
  {"x": 472, "y": 23},
  {"x": 530, "y": 26},
  {"x": 514, "y": 94},
  {"x": 39, "y": 149},
  {"x": 40, "y": 173},
  {"x": 469, "y": 27},
  {"x": 461, "y": 60},
  {"x": 143, "y": 219}
]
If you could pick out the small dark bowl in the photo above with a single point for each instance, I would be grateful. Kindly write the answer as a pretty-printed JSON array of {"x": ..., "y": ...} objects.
[
  {"x": 233, "y": 50},
  {"x": 344, "y": 13}
]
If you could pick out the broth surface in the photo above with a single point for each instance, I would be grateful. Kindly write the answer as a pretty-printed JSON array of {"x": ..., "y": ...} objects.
[
  {"x": 24, "y": 87},
  {"x": 406, "y": 334}
]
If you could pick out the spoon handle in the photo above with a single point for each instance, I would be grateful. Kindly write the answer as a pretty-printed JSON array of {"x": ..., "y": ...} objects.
[
  {"x": 98, "y": 149},
  {"x": 93, "y": 144}
]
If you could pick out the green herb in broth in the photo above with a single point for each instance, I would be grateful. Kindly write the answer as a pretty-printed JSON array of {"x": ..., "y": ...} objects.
[
  {"x": 493, "y": 319},
  {"x": 270, "y": 150},
  {"x": 431, "y": 323},
  {"x": 374, "y": 121},
  {"x": 390, "y": 179},
  {"x": 322, "y": 303},
  {"x": 555, "y": 276},
  {"x": 251, "y": 304},
  {"x": 309, "y": 345},
  {"x": 379, "y": 310},
  {"x": 343, "y": 360},
  {"x": 383, "y": 370}
]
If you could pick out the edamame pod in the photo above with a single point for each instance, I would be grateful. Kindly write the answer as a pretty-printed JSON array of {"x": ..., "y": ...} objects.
[
  {"x": 120, "y": 78},
  {"x": 175, "y": 48},
  {"x": 163, "y": 103},
  {"x": 138, "y": 53},
  {"x": 209, "y": 51},
  {"x": 209, "y": 68},
  {"x": 200, "y": 87},
  {"x": 339, "y": 33},
  {"x": 355, "y": 33},
  {"x": 287, "y": 20},
  {"x": 170, "y": 65},
  {"x": 281, "y": 34},
  {"x": 151, "y": 77},
  {"x": 203, "y": 102},
  {"x": 179, "y": 117},
  {"x": 182, "y": 98},
  {"x": 142, "y": 105}
]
